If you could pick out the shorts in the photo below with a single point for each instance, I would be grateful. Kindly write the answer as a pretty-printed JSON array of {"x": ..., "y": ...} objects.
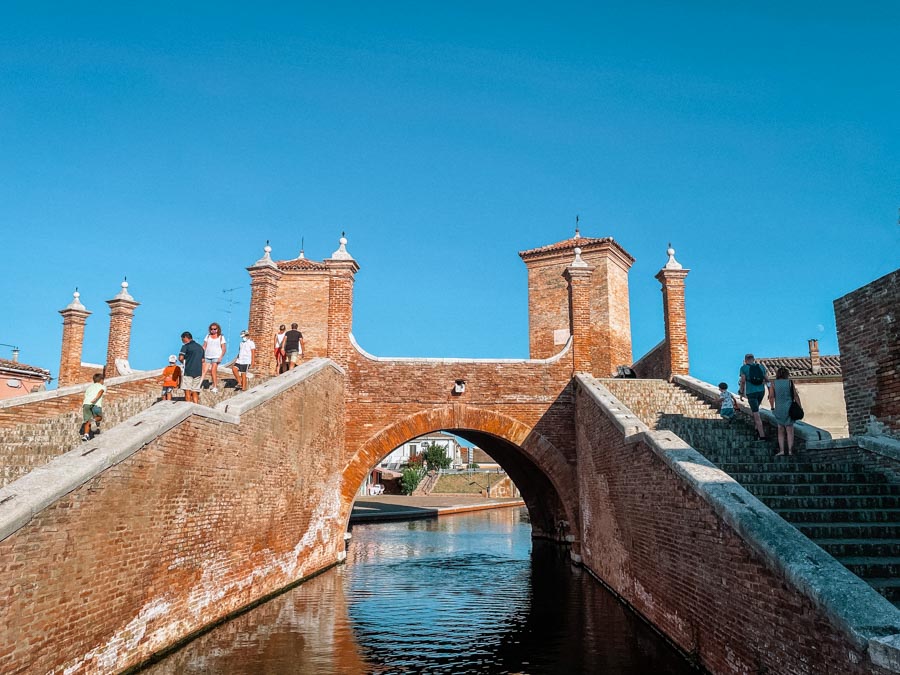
[
  {"x": 89, "y": 412},
  {"x": 727, "y": 413},
  {"x": 206, "y": 360},
  {"x": 189, "y": 383},
  {"x": 294, "y": 357},
  {"x": 242, "y": 367},
  {"x": 167, "y": 390},
  {"x": 279, "y": 353},
  {"x": 755, "y": 399}
]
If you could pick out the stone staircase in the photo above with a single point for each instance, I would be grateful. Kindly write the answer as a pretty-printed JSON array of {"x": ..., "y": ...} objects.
[
  {"x": 844, "y": 499},
  {"x": 28, "y": 445}
]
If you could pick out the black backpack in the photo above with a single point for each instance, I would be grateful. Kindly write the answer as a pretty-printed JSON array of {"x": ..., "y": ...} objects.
[{"x": 756, "y": 375}]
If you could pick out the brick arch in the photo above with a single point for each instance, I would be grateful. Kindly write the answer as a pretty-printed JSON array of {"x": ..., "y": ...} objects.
[{"x": 544, "y": 477}]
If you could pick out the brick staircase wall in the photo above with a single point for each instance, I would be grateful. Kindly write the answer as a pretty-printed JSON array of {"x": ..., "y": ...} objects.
[
  {"x": 167, "y": 524},
  {"x": 722, "y": 575},
  {"x": 33, "y": 433},
  {"x": 843, "y": 497}
]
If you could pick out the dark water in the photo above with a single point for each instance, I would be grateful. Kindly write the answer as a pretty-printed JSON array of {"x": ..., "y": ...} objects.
[{"x": 459, "y": 594}]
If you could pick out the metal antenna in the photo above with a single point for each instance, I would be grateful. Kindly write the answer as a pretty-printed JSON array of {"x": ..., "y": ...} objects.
[
  {"x": 230, "y": 302},
  {"x": 577, "y": 233}
]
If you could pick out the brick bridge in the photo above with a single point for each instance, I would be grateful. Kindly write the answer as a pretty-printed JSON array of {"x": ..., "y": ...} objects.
[{"x": 181, "y": 515}]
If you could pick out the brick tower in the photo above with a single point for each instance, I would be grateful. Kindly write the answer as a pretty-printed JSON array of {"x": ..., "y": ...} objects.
[
  {"x": 549, "y": 312},
  {"x": 671, "y": 276},
  {"x": 121, "y": 313},
  {"x": 318, "y": 296},
  {"x": 74, "y": 319}
]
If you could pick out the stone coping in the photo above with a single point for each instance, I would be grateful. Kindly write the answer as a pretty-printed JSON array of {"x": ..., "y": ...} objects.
[
  {"x": 811, "y": 435},
  {"x": 22, "y": 499},
  {"x": 867, "y": 617},
  {"x": 77, "y": 388},
  {"x": 424, "y": 359},
  {"x": 882, "y": 445}
]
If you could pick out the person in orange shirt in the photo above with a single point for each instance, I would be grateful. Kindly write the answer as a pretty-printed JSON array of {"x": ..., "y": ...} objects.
[{"x": 171, "y": 378}]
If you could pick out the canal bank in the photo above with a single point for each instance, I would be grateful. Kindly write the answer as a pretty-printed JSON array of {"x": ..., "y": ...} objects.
[{"x": 383, "y": 508}]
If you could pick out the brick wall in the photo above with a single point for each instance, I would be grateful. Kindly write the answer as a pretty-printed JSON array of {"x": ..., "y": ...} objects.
[
  {"x": 549, "y": 307},
  {"x": 868, "y": 327},
  {"x": 520, "y": 412},
  {"x": 654, "y": 364},
  {"x": 303, "y": 298},
  {"x": 200, "y": 521},
  {"x": 651, "y": 536}
]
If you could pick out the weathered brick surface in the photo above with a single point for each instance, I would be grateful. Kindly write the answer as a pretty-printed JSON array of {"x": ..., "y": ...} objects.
[
  {"x": 868, "y": 327},
  {"x": 654, "y": 364},
  {"x": 676, "y": 353},
  {"x": 549, "y": 305},
  {"x": 121, "y": 314},
  {"x": 203, "y": 520},
  {"x": 652, "y": 538},
  {"x": 520, "y": 412},
  {"x": 74, "y": 322}
]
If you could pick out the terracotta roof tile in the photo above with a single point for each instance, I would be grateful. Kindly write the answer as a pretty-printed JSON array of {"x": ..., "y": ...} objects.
[
  {"x": 6, "y": 364},
  {"x": 300, "y": 264},
  {"x": 566, "y": 244},
  {"x": 801, "y": 366}
]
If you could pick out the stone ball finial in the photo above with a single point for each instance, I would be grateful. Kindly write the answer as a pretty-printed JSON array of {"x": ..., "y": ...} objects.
[
  {"x": 342, "y": 253},
  {"x": 125, "y": 283},
  {"x": 267, "y": 258},
  {"x": 578, "y": 262},
  {"x": 672, "y": 264}
]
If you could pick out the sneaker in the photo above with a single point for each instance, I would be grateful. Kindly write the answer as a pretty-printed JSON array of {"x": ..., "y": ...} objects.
[
  {"x": 214, "y": 390},
  {"x": 86, "y": 437}
]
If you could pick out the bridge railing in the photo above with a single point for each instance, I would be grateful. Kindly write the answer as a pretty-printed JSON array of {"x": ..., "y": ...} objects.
[{"x": 847, "y": 603}]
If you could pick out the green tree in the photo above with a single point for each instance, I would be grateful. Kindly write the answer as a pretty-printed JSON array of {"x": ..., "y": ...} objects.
[
  {"x": 410, "y": 479},
  {"x": 436, "y": 456}
]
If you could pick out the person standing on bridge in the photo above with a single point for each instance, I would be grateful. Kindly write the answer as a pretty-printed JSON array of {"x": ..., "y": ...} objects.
[
  {"x": 293, "y": 346},
  {"x": 279, "y": 350},
  {"x": 753, "y": 385},
  {"x": 92, "y": 406},
  {"x": 213, "y": 352},
  {"x": 782, "y": 394},
  {"x": 244, "y": 361},
  {"x": 191, "y": 356}
]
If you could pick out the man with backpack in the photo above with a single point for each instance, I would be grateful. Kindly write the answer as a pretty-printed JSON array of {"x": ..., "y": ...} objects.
[{"x": 753, "y": 386}]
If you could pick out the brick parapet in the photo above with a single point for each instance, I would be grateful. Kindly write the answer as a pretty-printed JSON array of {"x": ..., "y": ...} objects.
[
  {"x": 868, "y": 330},
  {"x": 579, "y": 279},
  {"x": 672, "y": 281},
  {"x": 264, "y": 281},
  {"x": 724, "y": 597},
  {"x": 74, "y": 322},
  {"x": 149, "y": 503},
  {"x": 121, "y": 314}
]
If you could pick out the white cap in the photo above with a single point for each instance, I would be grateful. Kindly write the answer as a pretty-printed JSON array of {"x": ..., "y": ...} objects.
[{"x": 172, "y": 358}]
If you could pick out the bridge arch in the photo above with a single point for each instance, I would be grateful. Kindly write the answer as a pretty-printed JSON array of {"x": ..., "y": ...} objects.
[{"x": 546, "y": 480}]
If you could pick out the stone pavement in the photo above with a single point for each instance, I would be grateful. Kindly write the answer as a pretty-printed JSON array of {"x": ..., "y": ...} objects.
[{"x": 402, "y": 507}]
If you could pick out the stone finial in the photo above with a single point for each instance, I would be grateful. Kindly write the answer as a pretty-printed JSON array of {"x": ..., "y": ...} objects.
[
  {"x": 76, "y": 302},
  {"x": 267, "y": 258},
  {"x": 341, "y": 253},
  {"x": 123, "y": 294},
  {"x": 578, "y": 262},
  {"x": 672, "y": 264}
]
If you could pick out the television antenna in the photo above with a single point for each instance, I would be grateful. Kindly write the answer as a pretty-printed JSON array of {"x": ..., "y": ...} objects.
[{"x": 230, "y": 302}]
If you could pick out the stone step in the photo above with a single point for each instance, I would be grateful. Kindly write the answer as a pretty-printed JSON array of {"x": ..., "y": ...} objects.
[
  {"x": 791, "y": 467},
  {"x": 861, "y": 502},
  {"x": 867, "y": 567},
  {"x": 810, "y": 515},
  {"x": 888, "y": 587},
  {"x": 839, "y": 530},
  {"x": 807, "y": 477},
  {"x": 814, "y": 489},
  {"x": 860, "y": 547}
]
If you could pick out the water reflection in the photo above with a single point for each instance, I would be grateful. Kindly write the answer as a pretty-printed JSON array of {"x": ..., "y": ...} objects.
[{"x": 460, "y": 594}]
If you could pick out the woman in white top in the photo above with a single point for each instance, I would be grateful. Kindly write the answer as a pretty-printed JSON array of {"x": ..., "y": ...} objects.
[
  {"x": 279, "y": 349},
  {"x": 213, "y": 352}
]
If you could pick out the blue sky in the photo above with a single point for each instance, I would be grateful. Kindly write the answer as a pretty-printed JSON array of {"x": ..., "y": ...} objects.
[{"x": 167, "y": 142}]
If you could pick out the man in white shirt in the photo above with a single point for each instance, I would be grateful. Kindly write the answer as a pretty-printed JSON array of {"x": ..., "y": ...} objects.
[
  {"x": 92, "y": 406},
  {"x": 244, "y": 361}
]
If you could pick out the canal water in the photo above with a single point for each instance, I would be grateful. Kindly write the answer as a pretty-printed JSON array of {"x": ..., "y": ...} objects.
[{"x": 468, "y": 593}]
